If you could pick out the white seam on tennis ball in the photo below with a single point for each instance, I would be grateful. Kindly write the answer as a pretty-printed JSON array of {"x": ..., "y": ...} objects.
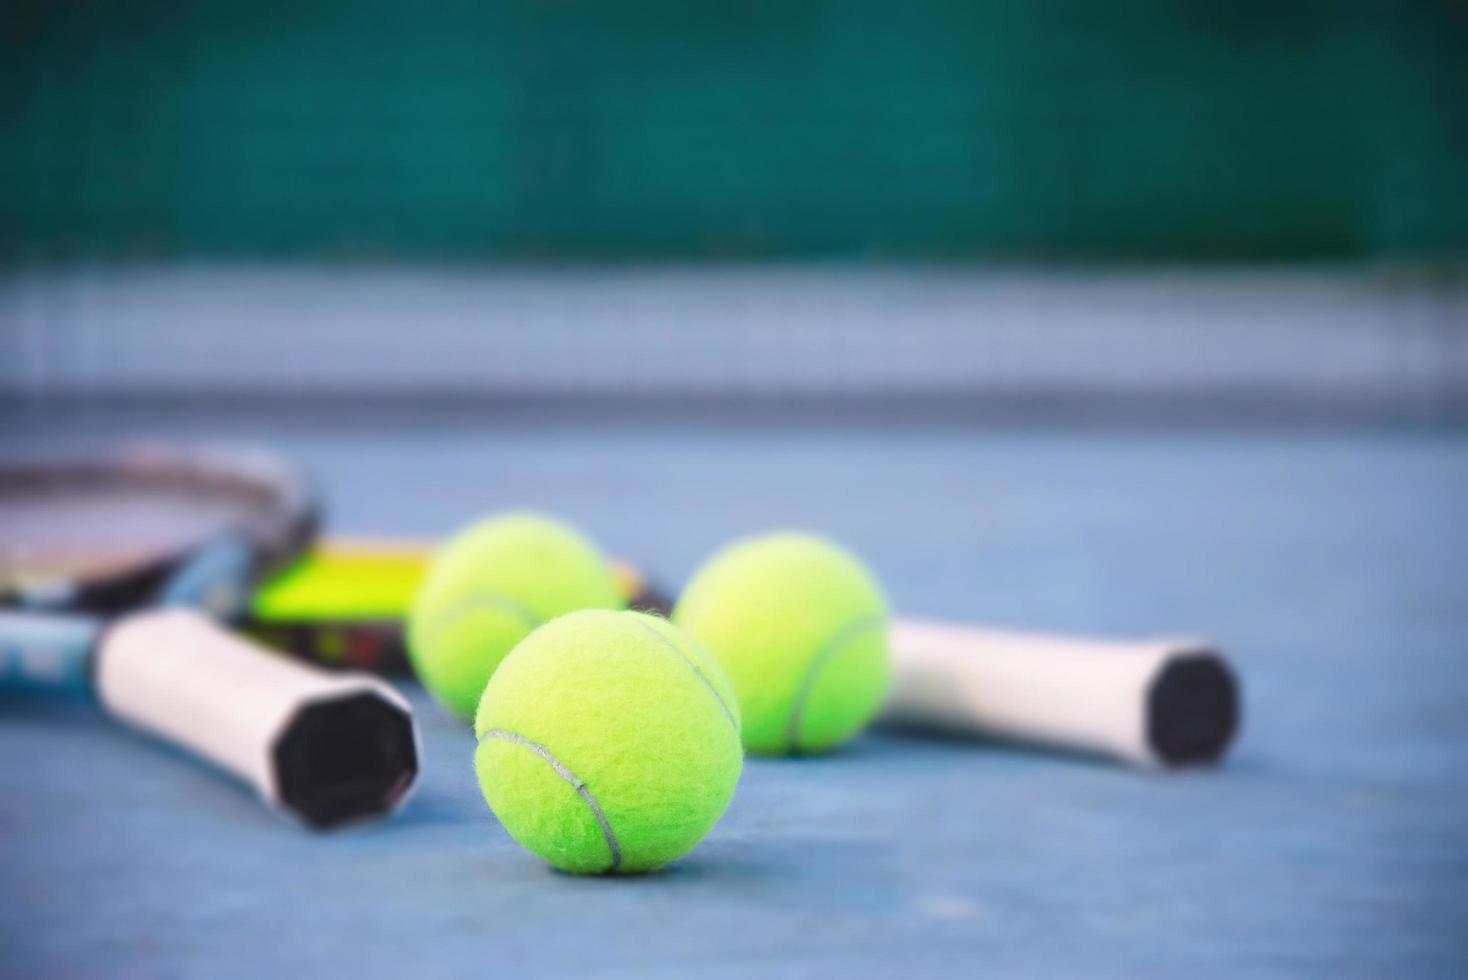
[
  {"x": 470, "y": 603},
  {"x": 577, "y": 783},
  {"x": 842, "y": 637},
  {"x": 696, "y": 669}
]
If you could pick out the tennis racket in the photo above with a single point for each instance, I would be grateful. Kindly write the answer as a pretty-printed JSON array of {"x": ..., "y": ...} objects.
[
  {"x": 113, "y": 573},
  {"x": 1153, "y": 702}
]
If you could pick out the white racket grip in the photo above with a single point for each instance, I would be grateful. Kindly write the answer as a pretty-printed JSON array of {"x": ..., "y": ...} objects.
[
  {"x": 326, "y": 748},
  {"x": 1156, "y": 702}
]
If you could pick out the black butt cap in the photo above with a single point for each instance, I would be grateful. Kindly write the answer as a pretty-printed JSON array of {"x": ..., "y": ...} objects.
[
  {"x": 1192, "y": 709},
  {"x": 346, "y": 759}
]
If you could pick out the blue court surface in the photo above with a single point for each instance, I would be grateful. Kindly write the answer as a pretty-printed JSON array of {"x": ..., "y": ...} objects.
[{"x": 1333, "y": 842}]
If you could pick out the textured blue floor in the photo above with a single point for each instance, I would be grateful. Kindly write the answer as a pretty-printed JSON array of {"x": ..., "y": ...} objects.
[{"x": 1333, "y": 843}]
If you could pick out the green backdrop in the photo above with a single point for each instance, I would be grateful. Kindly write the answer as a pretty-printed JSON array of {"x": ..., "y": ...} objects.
[{"x": 573, "y": 129}]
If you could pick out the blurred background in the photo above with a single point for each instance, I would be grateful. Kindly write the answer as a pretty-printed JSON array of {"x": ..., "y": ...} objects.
[
  {"x": 1212, "y": 212},
  {"x": 1130, "y": 318}
]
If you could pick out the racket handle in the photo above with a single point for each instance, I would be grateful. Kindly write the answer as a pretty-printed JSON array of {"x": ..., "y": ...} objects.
[
  {"x": 1153, "y": 703},
  {"x": 325, "y": 748}
]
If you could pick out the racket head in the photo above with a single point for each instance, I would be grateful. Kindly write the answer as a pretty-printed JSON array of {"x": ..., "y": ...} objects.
[
  {"x": 344, "y": 603},
  {"x": 112, "y": 533},
  {"x": 88, "y": 539}
]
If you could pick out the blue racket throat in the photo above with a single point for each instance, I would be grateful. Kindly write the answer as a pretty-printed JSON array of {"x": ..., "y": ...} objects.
[
  {"x": 216, "y": 580},
  {"x": 42, "y": 654}
]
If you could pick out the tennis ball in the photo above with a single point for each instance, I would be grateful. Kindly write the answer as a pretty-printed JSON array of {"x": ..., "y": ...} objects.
[
  {"x": 491, "y": 584},
  {"x": 801, "y": 628},
  {"x": 608, "y": 742}
]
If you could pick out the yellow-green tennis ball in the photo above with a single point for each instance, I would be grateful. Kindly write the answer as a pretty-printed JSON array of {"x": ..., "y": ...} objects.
[
  {"x": 608, "y": 742},
  {"x": 488, "y": 587},
  {"x": 801, "y": 628}
]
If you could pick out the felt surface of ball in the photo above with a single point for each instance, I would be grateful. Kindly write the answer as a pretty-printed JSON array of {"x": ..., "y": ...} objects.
[
  {"x": 800, "y": 626},
  {"x": 608, "y": 742},
  {"x": 488, "y": 587}
]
